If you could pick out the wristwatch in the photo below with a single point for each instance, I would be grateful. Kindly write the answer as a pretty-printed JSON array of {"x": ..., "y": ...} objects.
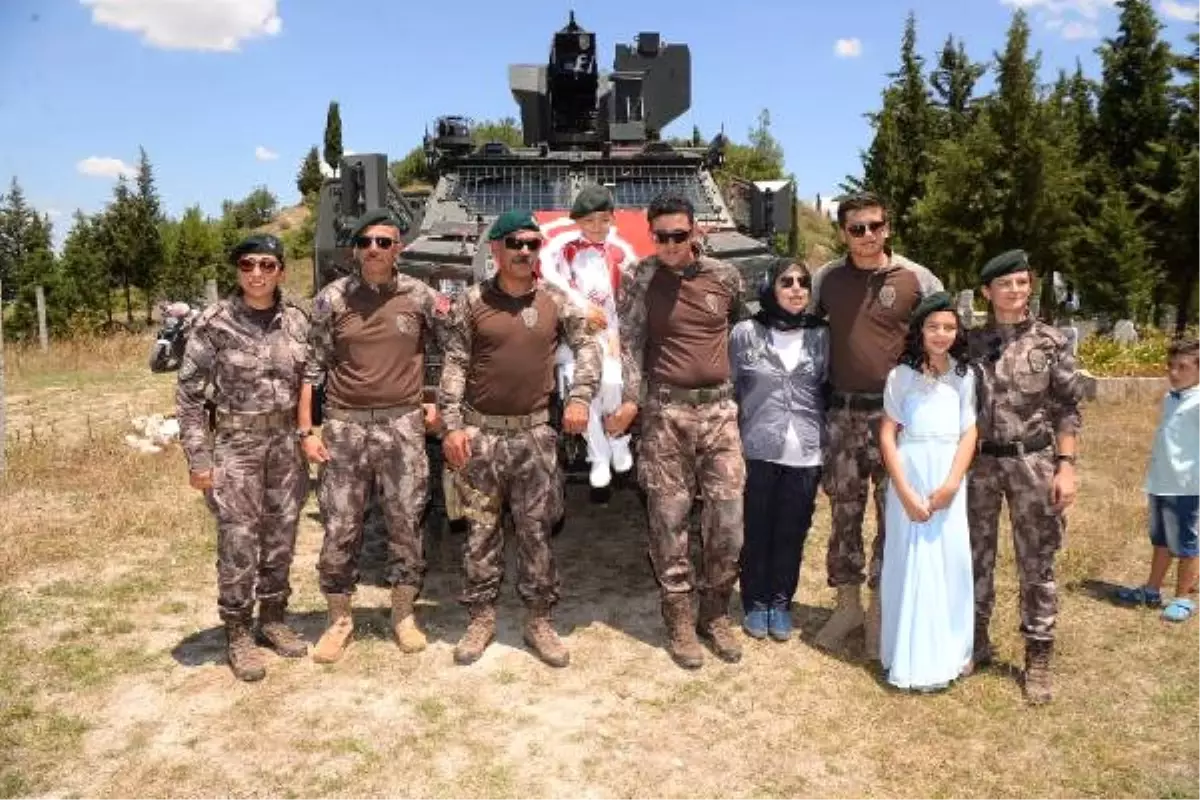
[
  {"x": 303, "y": 433},
  {"x": 1070, "y": 459}
]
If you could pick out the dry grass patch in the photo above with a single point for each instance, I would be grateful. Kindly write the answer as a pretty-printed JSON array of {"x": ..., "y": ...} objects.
[{"x": 113, "y": 682}]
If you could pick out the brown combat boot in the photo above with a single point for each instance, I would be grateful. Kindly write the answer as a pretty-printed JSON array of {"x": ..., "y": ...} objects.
[
  {"x": 541, "y": 636},
  {"x": 244, "y": 658},
  {"x": 479, "y": 634},
  {"x": 1038, "y": 686},
  {"x": 337, "y": 635},
  {"x": 874, "y": 623},
  {"x": 846, "y": 617},
  {"x": 404, "y": 620},
  {"x": 715, "y": 626},
  {"x": 682, "y": 643},
  {"x": 274, "y": 632}
]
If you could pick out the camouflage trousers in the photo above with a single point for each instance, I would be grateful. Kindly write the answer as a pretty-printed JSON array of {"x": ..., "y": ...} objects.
[
  {"x": 852, "y": 462},
  {"x": 392, "y": 454},
  {"x": 520, "y": 469},
  {"x": 683, "y": 448},
  {"x": 1025, "y": 483},
  {"x": 259, "y": 482}
]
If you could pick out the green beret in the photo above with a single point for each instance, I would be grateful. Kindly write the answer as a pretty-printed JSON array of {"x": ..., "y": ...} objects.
[
  {"x": 512, "y": 221},
  {"x": 1003, "y": 264},
  {"x": 263, "y": 243},
  {"x": 378, "y": 216},
  {"x": 938, "y": 301},
  {"x": 591, "y": 198}
]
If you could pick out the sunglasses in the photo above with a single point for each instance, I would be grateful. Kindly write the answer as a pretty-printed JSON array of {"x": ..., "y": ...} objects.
[
  {"x": 268, "y": 266},
  {"x": 788, "y": 281},
  {"x": 382, "y": 242},
  {"x": 513, "y": 243},
  {"x": 859, "y": 229},
  {"x": 675, "y": 237}
]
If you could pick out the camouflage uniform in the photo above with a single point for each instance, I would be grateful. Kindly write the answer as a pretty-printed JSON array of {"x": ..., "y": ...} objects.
[
  {"x": 386, "y": 446},
  {"x": 1029, "y": 394},
  {"x": 259, "y": 476},
  {"x": 517, "y": 466},
  {"x": 689, "y": 440}
]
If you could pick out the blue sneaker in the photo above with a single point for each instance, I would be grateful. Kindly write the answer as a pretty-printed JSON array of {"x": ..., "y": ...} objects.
[
  {"x": 755, "y": 622},
  {"x": 779, "y": 622}
]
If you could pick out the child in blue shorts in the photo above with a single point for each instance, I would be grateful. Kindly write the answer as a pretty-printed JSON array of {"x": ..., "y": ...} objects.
[{"x": 1173, "y": 488}]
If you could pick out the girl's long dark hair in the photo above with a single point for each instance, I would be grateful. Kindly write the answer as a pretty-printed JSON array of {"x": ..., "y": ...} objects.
[{"x": 914, "y": 354}]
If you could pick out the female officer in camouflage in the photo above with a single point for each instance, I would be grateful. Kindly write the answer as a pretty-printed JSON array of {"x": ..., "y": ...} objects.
[
  {"x": 248, "y": 349},
  {"x": 1029, "y": 394}
]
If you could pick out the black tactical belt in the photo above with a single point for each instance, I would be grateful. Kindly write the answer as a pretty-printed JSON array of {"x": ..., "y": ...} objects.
[
  {"x": 501, "y": 422},
  {"x": 665, "y": 393},
  {"x": 256, "y": 420},
  {"x": 1034, "y": 444},
  {"x": 366, "y": 415},
  {"x": 856, "y": 401}
]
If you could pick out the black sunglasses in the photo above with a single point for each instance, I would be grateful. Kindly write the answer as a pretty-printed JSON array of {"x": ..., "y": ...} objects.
[
  {"x": 859, "y": 229},
  {"x": 268, "y": 266},
  {"x": 382, "y": 242},
  {"x": 787, "y": 281},
  {"x": 513, "y": 243},
  {"x": 676, "y": 237}
]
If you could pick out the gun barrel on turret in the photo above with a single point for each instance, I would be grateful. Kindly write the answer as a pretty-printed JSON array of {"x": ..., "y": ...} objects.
[{"x": 568, "y": 103}]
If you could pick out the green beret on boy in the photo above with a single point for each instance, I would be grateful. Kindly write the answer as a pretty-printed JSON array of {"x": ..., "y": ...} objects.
[
  {"x": 261, "y": 243},
  {"x": 518, "y": 219},
  {"x": 591, "y": 198},
  {"x": 379, "y": 216},
  {"x": 938, "y": 301},
  {"x": 1004, "y": 264}
]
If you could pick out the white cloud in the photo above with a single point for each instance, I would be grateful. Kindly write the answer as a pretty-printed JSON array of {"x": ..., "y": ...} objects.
[
  {"x": 1184, "y": 12},
  {"x": 847, "y": 48},
  {"x": 105, "y": 167},
  {"x": 263, "y": 154},
  {"x": 214, "y": 25},
  {"x": 1080, "y": 30},
  {"x": 1071, "y": 19}
]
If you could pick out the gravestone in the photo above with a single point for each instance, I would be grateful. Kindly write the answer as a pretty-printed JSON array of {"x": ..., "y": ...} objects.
[
  {"x": 966, "y": 307},
  {"x": 1124, "y": 332}
]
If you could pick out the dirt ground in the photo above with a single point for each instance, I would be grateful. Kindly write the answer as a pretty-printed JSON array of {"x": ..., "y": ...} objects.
[{"x": 113, "y": 680}]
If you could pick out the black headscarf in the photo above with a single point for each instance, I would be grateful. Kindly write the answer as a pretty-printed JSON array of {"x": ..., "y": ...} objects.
[{"x": 770, "y": 313}]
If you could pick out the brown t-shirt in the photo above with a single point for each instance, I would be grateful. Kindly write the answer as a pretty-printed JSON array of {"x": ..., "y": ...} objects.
[
  {"x": 379, "y": 350},
  {"x": 687, "y": 328},
  {"x": 868, "y": 312},
  {"x": 512, "y": 352}
]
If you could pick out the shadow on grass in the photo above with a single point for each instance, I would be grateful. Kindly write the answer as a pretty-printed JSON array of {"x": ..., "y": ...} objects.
[
  {"x": 601, "y": 559},
  {"x": 1103, "y": 591}
]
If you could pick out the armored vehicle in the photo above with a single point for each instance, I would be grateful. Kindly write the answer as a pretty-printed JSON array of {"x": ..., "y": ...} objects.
[{"x": 579, "y": 126}]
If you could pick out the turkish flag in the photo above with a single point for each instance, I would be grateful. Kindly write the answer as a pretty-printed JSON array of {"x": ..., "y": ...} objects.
[{"x": 630, "y": 224}]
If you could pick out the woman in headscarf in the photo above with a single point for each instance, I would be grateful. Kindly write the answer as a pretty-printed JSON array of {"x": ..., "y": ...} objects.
[{"x": 779, "y": 360}]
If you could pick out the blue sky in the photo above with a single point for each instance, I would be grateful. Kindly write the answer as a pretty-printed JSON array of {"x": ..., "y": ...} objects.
[{"x": 229, "y": 94}]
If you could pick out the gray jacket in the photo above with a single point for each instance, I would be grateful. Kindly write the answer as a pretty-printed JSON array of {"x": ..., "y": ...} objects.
[{"x": 769, "y": 398}]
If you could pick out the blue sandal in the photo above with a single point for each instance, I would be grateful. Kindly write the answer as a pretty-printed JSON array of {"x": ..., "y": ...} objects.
[
  {"x": 1139, "y": 596},
  {"x": 1180, "y": 609}
]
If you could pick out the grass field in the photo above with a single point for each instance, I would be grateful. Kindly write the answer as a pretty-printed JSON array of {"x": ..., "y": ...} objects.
[{"x": 113, "y": 681}]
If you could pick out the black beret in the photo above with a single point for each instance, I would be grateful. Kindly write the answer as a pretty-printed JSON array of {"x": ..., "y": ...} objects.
[
  {"x": 938, "y": 301},
  {"x": 517, "y": 219},
  {"x": 591, "y": 198},
  {"x": 263, "y": 243},
  {"x": 1004, "y": 264},
  {"x": 378, "y": 216}
]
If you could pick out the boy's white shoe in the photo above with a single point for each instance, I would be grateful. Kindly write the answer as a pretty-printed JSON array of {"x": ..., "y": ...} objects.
[
  {"x": 622, "y": 459},
  {"x": 600, "y": 475}
]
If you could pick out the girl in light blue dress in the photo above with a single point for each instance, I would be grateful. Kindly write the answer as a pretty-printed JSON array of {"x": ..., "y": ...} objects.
[{"x": 927, "y": 440}]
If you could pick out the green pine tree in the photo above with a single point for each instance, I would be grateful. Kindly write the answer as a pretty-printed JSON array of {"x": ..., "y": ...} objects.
[
  {"x": 309, "y": 179},
  {"x": 333, "y": 136}
]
